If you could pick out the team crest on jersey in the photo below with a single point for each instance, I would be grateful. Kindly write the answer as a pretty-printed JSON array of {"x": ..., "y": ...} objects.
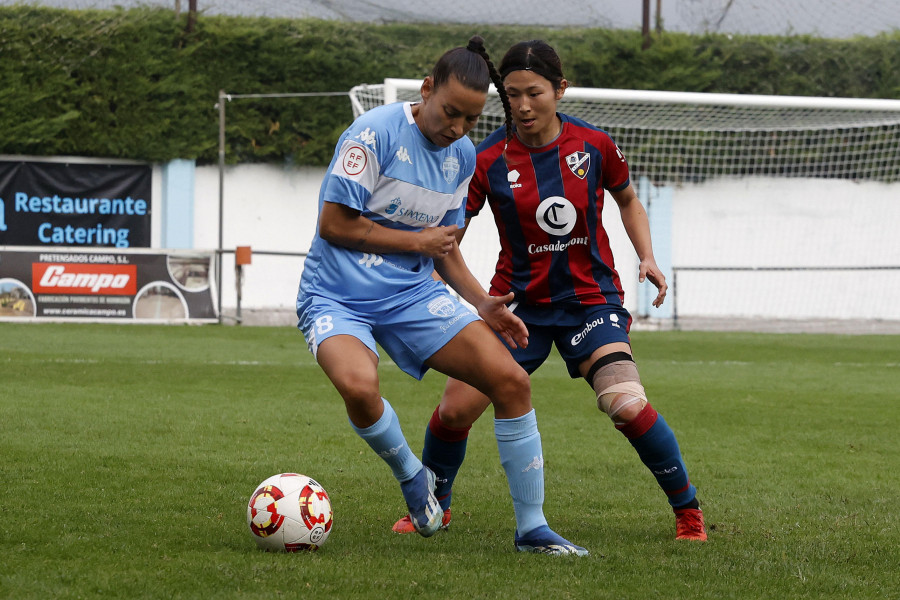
[
  {"x": 450, "y": 169},
  {"x": 579, "y": 163}
]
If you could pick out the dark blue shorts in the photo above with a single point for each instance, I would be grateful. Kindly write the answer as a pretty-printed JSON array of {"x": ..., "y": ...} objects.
[{"x": 576, "y": 333}]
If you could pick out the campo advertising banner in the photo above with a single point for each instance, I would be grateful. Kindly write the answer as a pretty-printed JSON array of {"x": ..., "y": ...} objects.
[
  {"x": 97, "y": 284},
  {"x": 75, "y": 204}
]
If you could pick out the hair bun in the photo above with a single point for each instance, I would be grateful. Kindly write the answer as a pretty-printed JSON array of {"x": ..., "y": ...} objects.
[{"x": 476, "y": 43}]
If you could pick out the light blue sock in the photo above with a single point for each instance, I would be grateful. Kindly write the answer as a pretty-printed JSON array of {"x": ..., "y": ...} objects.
[
  {"x": 522, "y": 458},
  {"x": 386, "y": 438}
]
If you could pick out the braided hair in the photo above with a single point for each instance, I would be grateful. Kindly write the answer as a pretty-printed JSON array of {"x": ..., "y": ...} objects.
[
  {"x": 476, "y": 44},
  {"x": 472, "y": 67}
]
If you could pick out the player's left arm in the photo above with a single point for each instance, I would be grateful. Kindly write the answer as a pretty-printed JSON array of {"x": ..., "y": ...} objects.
[
  {"x": 637, "y": 226},
  {"x": 344, "y": 226},
  {"x": 453, "y": 270}
]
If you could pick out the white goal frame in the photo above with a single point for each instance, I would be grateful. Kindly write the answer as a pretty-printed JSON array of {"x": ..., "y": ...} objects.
[{"x": 816, "y": 133}]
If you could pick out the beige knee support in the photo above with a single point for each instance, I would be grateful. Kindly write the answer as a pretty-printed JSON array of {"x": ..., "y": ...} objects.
[{"x": 618, "y": 386}]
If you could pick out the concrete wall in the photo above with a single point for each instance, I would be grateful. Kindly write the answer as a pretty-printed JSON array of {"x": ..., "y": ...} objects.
[
  {"x": 768, "y": 222},
  {"x": 744, "y": 223},
  {"x": 275, "y": 209}
]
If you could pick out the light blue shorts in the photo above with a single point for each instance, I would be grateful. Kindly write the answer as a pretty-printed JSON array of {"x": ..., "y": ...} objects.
[{"x": 410, "y": 332}]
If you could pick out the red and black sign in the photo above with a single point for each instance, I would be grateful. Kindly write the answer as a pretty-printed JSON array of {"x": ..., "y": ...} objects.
[{"x": 99, "y": 284}]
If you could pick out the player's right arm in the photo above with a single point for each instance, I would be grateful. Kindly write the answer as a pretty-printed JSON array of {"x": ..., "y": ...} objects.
[
  {"x": 461, "y": 232},
  {"x": 344, "y": 226}
]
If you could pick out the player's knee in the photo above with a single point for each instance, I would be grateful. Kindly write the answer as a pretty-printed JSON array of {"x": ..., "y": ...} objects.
[
  {"x": 621, "y": 408},
  {"x": 516, "y": 382},
  {"x": 461, "y": 404},
  {"x": 460, "y": 416},
  {"x": 617, "y": 384},
  {"x": 509, "y": 388},
  {"x": 357, "y": 388}
]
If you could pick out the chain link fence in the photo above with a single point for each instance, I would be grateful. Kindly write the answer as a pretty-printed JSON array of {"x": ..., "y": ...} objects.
[{"x": 823, "y": 18}]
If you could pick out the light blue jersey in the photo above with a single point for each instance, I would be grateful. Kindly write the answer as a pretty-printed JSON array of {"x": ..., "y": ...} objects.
[{"x": 387, "y": 169}]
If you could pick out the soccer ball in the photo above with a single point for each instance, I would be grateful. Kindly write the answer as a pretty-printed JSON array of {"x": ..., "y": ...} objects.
[{"x": 289, "y": 512}]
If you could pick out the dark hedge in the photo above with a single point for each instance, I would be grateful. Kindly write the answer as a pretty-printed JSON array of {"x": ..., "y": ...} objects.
[{"x": 133, "y": 84}]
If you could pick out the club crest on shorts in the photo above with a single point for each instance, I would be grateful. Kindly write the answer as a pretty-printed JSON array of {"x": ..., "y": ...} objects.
[
  {"x": 579, "y": 163},
  {"x": 450, "y": 169},
  {"x": 442, "y": 307}
]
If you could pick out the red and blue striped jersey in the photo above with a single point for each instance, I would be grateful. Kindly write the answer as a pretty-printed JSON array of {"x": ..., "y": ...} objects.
[{"x": 547, "y": 204}]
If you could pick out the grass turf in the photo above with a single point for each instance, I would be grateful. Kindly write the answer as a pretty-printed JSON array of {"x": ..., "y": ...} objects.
[{"x": 128, "y": 453}]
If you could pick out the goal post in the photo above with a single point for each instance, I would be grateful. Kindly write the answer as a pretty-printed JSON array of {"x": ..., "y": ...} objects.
[{"x": 762, "y": 207}]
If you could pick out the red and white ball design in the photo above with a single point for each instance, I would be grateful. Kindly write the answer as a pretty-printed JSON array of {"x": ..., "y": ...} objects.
[{"x": 289, "y": 512}]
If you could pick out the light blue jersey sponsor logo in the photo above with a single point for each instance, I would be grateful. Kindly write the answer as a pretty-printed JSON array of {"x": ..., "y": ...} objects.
[{"x": 395, "y": 209}]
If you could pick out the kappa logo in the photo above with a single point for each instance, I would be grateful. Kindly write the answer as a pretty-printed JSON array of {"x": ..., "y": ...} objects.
[
  {"x": 513, "y": 177},
  {"x": 450, "y": 169},
  {"x": 390, "y": 452},
  {"x": 367, "y": 137},
  {"x": 536, "y": 464},
  {"x": 371, "y": 260},
  {"x": 579, "y": 163},
  {"x": 403, "y": 155}
]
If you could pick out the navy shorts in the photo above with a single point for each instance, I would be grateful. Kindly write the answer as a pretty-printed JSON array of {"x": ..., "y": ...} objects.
[{"x": 576, "y": 333}]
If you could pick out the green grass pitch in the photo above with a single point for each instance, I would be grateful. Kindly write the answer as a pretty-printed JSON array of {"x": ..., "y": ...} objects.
[{"x": 128, "y": 453}]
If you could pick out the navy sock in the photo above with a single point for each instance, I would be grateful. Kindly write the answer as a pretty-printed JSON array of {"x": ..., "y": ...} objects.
[
  {"x": 658, "y": 449},
  {"x": 443, "y": 453}
]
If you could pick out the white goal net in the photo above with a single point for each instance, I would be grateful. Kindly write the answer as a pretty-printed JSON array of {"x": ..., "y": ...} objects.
[{"x": 762, "y": 207}]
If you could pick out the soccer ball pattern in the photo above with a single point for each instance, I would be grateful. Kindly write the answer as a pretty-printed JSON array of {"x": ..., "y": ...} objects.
[{"x": 289, "y": 512}]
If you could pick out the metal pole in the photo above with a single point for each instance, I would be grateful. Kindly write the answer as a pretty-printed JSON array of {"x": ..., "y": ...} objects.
[
  {"x": 645, "y": 24},
  {"x": 674, "y": 298},
  {"x": 659, "y": 17},
  {"x": 238, "y": 283},
  {"x": 192, "y": 15},
  {"x": 222, "y": 97}
]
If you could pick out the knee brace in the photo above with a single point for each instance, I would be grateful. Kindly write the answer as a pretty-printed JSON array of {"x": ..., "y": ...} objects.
[{"x": 616, "y": 382}]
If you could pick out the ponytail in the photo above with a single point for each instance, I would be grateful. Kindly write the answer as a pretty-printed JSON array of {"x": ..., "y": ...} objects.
[{"x": 476, "y": 44}]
